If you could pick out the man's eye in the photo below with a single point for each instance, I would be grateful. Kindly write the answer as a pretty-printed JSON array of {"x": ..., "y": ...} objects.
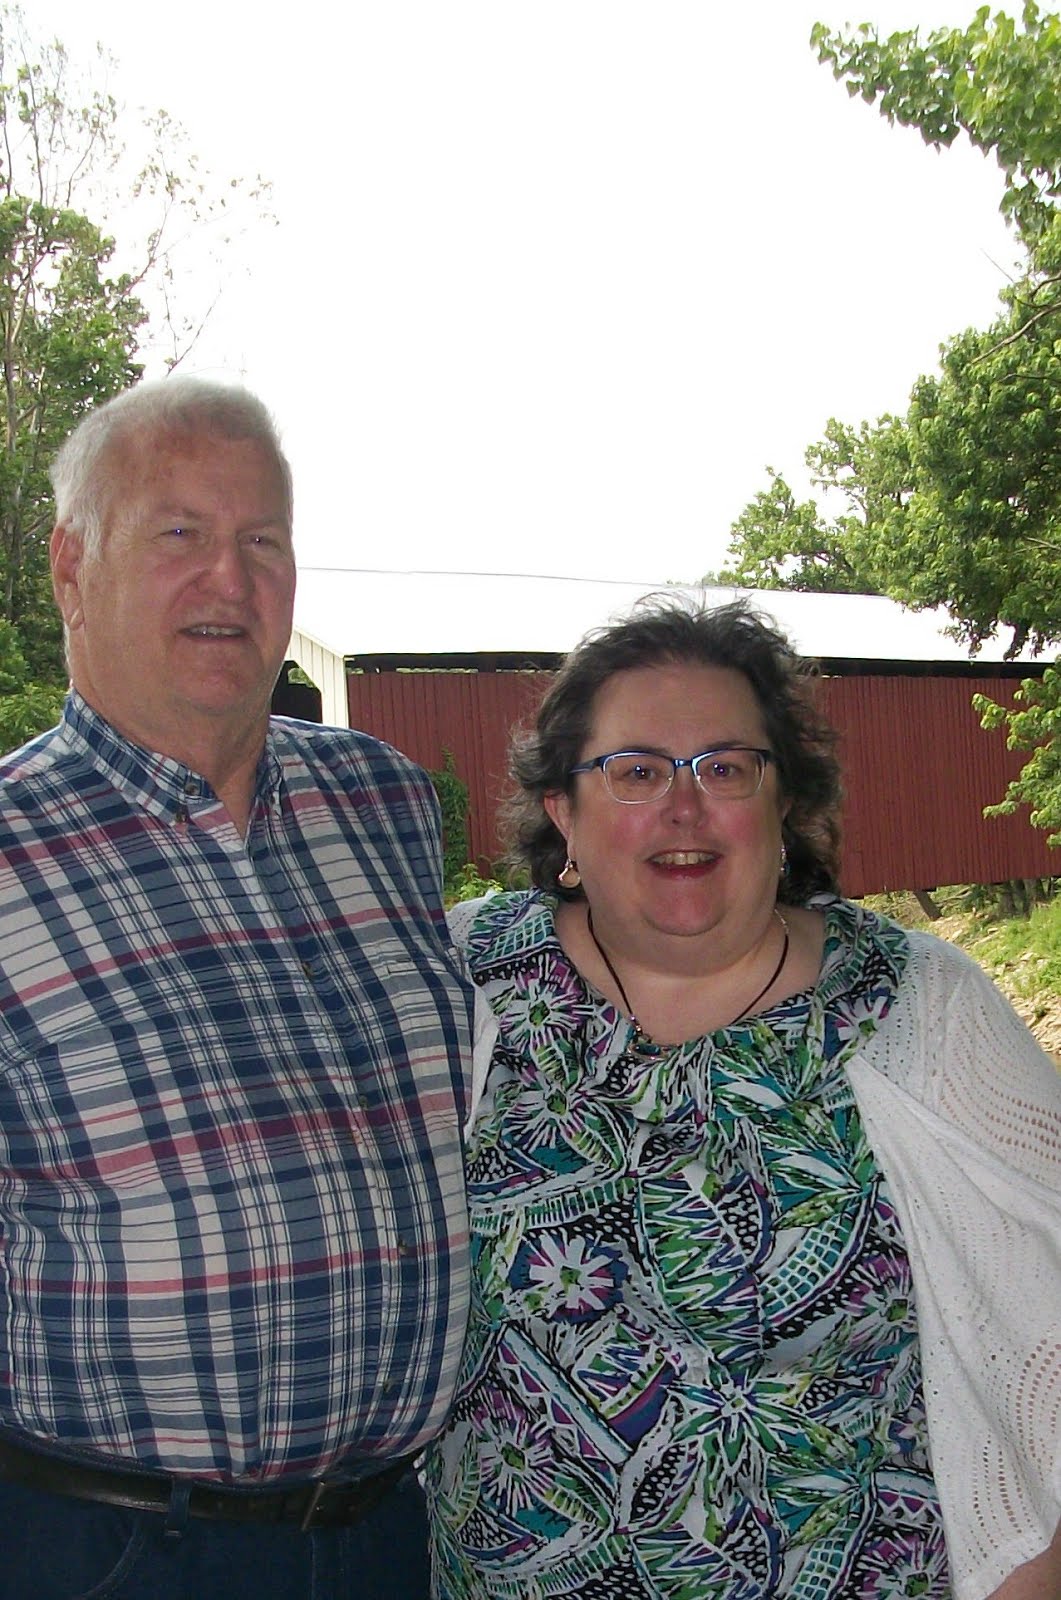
[{"x": 265, "y": 541}]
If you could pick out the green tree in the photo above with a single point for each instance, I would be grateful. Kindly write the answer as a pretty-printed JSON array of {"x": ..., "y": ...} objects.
[
  {"x": 25, "y": 707},
  {"x": 979, "y": 531},
  {"x": 996, "y": 81},
  {"x": 67, "y": 340},
  {"x": 1035, "y": 725},
  {"x": 779, "y": 542},
  {"x": 827, "y": 546},
  {"x": 957, "y": 503},
  {"x": 71, "y": 318}
]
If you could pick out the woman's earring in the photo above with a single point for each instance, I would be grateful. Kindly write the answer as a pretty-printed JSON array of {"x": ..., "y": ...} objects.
[
  {"x": 569, "y": 876},
  {"x": 784, "y": 860}
]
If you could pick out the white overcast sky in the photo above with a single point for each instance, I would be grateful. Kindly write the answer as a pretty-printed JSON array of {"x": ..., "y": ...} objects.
[{"x": 553, "y": 281}]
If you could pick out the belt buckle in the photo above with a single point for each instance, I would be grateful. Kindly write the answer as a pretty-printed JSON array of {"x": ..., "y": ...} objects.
[{"x": 311, "y": 1506}]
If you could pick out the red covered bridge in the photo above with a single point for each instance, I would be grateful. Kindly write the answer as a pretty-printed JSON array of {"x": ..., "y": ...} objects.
[{"x": 918, "y": 768}]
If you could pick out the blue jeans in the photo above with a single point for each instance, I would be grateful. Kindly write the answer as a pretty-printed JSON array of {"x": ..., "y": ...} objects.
[{"x": 56, "y": 1548}]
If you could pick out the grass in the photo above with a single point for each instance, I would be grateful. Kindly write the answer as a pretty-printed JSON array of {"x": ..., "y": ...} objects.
[{"x": 1022, "y": 954}]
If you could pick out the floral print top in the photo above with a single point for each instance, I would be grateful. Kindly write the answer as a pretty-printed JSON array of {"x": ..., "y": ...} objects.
[{"x": 692, "y": 1371}]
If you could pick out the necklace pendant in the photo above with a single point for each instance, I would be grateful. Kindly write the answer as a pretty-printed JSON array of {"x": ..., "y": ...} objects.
[{"x": 640, "y": 1045}]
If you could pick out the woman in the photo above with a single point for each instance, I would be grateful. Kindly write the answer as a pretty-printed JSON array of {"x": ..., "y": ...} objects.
[{"x": 700, "y": 1198}]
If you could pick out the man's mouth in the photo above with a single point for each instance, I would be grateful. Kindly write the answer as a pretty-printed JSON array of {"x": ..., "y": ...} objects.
[{"x": 214, "y": 630}]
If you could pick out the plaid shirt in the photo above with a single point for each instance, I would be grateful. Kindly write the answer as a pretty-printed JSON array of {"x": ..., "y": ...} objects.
[{"x": 232, "y": 1220}]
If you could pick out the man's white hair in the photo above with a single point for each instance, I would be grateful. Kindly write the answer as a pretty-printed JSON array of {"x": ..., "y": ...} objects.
[{"x": 81, "y": 472}]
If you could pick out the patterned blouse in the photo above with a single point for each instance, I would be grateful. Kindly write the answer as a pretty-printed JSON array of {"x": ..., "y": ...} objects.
[{"x": 692, "y": 1371}]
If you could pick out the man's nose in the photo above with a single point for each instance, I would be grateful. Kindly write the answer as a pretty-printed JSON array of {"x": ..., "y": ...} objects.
[{"x": 230, "y": 568}]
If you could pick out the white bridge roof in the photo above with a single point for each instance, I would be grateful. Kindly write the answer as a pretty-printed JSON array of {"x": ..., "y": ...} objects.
[{"x": 368, "y": 612}]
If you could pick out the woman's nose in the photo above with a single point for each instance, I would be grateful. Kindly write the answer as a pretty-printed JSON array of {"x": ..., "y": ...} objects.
[{"x": 685, "y": 796}]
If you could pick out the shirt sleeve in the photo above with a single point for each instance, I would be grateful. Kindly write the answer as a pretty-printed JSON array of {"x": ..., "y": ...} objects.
[{"x": 963, "y": 1110}]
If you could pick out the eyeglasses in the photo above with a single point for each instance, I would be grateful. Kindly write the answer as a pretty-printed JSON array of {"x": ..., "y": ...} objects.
[{"x": 729, "y": 772}]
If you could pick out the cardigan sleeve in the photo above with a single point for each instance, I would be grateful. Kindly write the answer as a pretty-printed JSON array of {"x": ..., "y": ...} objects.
[
  {"x": 963, "y": 1110},
  {"x": 460, "y": 918}
]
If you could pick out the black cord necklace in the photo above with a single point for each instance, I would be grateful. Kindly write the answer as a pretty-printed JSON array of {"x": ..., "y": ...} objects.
[{"x": 641, "y": 1038}]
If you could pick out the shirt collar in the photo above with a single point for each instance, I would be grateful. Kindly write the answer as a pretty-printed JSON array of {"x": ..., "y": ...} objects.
[{"x": 162, "y": 786}]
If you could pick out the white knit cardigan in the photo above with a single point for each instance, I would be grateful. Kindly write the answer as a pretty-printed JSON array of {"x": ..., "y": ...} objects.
[{"x": 963, "y": 1111}]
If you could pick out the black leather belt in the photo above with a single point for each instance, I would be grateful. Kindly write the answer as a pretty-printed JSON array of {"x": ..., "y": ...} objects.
[{"x": 316, "y": 1504}]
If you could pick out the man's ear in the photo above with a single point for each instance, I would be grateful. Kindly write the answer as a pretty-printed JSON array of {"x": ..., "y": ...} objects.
[{"x": 67, "y": 555}]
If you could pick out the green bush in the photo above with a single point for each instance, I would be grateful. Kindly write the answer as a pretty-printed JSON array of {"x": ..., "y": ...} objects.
[
  {"x": 470, "y": 885},
  {"x": 453, "y": 803}
]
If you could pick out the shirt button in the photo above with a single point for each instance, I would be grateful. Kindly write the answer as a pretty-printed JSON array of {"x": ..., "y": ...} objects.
[
  {"x": 190, "y": 786},
  {"x": 404, "y": 1247}
]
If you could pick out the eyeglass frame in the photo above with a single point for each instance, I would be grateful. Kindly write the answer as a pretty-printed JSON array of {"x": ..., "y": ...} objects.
[{"x": 765, "y": 757}]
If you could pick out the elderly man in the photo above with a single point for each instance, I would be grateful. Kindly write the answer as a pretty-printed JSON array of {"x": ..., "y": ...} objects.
[{"x": 232, "y": 1037}]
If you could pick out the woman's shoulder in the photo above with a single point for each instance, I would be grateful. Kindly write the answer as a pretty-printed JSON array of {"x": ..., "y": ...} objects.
[
  {"x": 480, "y": 925},
  {"x": 955, "y": 1044},
  {"x": 461, "y": 917},
  {"x": 955, "y": 996},
  {"x": 864, "y": 954},
  {"x": 947, "y": 1002}
]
